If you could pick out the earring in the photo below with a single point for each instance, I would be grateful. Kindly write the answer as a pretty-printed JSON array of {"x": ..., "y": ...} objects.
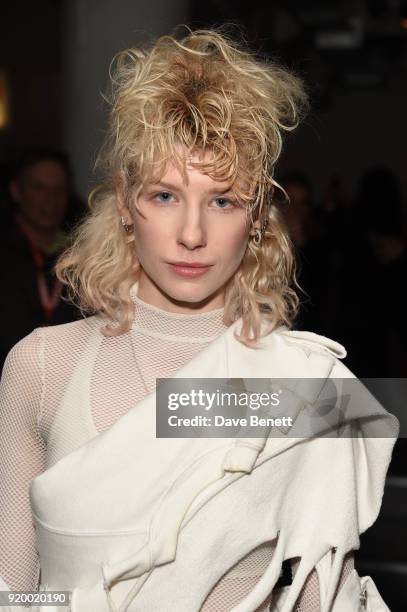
[
  {"x": 259, "y": 232},
  {"x": 257, "y": 237},
  {"x": 127, "y": 229},
  {"x": 125, "y": 224}
]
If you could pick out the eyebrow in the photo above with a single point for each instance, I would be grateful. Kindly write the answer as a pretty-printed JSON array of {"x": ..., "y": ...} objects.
[{"x": 175, "y": 188}]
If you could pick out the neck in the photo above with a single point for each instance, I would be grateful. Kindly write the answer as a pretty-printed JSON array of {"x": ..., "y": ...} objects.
[
  {"x": 150, "y": 293},
  {"x": 41, "y": 238},
  {"x": 187, "y": 328}
]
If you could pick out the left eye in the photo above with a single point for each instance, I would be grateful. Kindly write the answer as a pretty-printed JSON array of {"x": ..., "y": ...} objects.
[{"x": 223, "y": 202}]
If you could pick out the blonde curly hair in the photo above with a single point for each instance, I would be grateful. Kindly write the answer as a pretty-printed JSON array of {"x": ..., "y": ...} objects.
[{"x": 203, "y": 91}]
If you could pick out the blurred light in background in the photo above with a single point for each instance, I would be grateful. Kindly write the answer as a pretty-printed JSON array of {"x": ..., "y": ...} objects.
[{"x": 4, "y": 110}]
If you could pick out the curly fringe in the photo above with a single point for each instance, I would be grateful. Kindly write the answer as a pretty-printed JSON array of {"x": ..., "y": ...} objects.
[{"x": 202, "y": 92}]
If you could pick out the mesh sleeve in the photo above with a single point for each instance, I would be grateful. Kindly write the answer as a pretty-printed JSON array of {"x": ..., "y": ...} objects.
[
  {"x": 237, "y": 583},
  {"x": 309, "y": 599},
  {"x": 22, "y": 453}
]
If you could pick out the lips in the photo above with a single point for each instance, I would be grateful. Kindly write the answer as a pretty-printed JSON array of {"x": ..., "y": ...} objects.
[
  {"x": 190, "y": 270},
  {"x": 185, "y": 264}
]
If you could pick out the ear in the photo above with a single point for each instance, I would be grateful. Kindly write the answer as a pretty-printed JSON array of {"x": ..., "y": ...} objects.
[
  {"x": 255, "y": 226},
  {"x": 119, "y": 183}
]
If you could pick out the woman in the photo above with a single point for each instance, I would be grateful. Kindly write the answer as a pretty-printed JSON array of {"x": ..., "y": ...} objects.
[{"x": 188, "y": 273}]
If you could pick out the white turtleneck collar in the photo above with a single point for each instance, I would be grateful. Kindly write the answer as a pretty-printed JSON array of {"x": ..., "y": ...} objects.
[{"x": 195, "y": 327}]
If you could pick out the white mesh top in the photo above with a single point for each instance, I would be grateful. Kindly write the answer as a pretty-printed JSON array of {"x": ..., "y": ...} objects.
[{"x": 34, "y": 434}]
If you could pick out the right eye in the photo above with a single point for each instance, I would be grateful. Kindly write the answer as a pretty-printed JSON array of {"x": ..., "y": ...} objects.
[{"x": 163, "y": 196}]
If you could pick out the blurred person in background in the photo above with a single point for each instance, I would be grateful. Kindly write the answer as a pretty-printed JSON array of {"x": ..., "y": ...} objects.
[
  {"x": 40, "y": 191},
  {"x": 6, "y": 217},
  {"x": 315, "y": 251},
  {"x": 374, "y": 271}
]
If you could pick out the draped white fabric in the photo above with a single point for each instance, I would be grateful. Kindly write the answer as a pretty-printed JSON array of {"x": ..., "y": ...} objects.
[{"x": 38, "y": 428}]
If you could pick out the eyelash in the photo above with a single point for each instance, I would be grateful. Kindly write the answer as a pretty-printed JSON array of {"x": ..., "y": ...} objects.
[{"x": 234, "y": 205}]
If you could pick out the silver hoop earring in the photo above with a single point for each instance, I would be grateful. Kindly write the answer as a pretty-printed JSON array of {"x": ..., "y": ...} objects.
[{"x": 257, "y": 237}]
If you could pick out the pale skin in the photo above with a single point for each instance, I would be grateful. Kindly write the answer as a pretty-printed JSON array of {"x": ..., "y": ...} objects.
[{"x": 193, "y": 220}]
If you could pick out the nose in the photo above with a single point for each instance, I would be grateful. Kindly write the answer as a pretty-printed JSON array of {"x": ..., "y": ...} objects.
[{"x": 192, "y": 231}]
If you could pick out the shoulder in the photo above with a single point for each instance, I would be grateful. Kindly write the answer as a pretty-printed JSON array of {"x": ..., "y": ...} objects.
[
  {"x": 22, "y": 374},
  {"x": 300, "y": 354},
  {"x": 65, "y": 343},
  {"x": 26, "y": 353},
  {"x": 75, "y": 330},
  {"x": 309, "y": 342},
  {"x": 29, "y": 352}
]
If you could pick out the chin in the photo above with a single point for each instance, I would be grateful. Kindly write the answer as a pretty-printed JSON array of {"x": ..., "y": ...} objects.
[{"x": 189, "y": 291}]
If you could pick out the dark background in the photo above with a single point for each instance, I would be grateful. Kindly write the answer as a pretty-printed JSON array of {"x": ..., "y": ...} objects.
[{"x": 54, "y": 59}]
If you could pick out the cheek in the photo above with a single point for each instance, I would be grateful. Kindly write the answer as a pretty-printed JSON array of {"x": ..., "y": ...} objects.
[
  {"x": 152, "y": 240},
  {"x": 151, "y": 236},
  {"x": 150, "y": 229},
  {"x": 232, "y": 246}
]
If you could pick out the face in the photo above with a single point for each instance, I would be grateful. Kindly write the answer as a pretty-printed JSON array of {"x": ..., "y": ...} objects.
[
  {"x": 42, "y": 195},
  {"x": 197, "y": 221}
]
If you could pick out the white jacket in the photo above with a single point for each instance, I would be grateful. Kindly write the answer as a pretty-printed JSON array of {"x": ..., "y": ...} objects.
[{"x": 120, "y": 519}]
